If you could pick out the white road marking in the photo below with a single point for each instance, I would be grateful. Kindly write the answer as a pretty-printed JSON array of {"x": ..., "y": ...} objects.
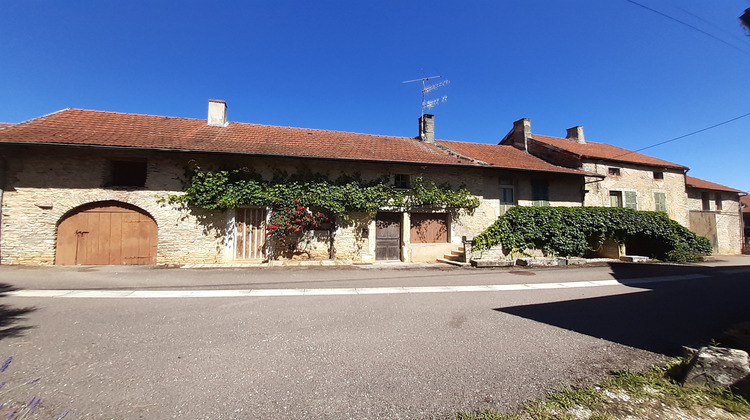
[{"x": 163, "y": 294}]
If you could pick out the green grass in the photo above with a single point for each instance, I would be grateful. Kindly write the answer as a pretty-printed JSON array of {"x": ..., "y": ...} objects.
[{"x": 646, "y": 393}]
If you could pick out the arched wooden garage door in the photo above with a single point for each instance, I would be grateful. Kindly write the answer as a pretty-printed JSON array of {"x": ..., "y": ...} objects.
[{"x": 107, "y": 233}]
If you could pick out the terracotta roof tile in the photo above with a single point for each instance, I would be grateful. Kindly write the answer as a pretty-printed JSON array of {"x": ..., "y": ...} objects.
[
  {"x": 604, "y": 151},
  {"x": 504, "y": 156},
  {"x": 98, "y": 128},
  {"x": 700, "y": 183},
  {"x": 745, "y": 199}
]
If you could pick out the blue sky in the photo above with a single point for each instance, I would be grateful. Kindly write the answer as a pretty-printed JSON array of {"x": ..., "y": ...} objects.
[{"x": 630, "y": 76}]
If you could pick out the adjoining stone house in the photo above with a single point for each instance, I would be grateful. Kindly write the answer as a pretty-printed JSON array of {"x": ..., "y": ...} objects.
[
  {"x": 641, "y": 182},
  {"x": 716, "y": 213},
  {"x": 627, "y": 179},
  {"x": 88, "y": 187}
]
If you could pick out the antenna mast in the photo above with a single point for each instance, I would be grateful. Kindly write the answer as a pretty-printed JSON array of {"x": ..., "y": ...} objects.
[{"x": 429, "y": 104}]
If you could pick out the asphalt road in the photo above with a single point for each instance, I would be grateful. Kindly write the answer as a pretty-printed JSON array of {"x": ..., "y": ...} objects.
[{"x": 406, "y": 352}]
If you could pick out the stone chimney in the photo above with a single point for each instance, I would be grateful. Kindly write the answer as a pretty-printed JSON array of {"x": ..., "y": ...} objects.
[
  {"x": 520, "y": 134},
  {"x": 427, "y": 128},
  {"x": 217, "y": 113},
  {"x": 576, "y": 134}
]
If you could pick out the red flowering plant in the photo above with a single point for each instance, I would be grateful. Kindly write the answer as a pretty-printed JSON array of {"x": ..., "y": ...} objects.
[{"x": 287, "y": 223}]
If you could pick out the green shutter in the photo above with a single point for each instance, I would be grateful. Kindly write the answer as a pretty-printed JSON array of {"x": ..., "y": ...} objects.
[
  {"x": 630, "y": 200},
  {"x": 660, "y": 201}
]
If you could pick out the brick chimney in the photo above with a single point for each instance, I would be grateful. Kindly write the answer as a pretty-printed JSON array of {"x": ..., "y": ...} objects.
[
  {"x": 427, "y": 128},
  {"x": 576, "y": 134},
  {"x": 217, "y": 113}
]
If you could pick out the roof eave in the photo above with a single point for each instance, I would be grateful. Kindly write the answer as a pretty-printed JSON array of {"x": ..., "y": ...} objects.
[{"x": 406, "y": 162}]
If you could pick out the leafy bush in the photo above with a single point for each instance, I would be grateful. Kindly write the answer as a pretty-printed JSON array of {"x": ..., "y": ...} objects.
[
  {"x": 226, "y": 189},
  {"x": 570, "y": 231}
]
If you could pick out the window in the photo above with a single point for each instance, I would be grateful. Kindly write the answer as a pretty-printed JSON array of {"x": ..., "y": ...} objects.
[
  {"x": 127, "y": 173},
  {"x": 658, "y": 175},
  {"x": 615, "y": 198},
  {"x": 660, "y": 201},
  {"x": 507, "y": 193},
  {"x": 717, "y": 204},
  {"x": 627, "y": 199},
  {"x": 401, "y": 181},
  {"x": 614, "y": 171},
  {"x": 706, "y": 200},
  {"x": 540, "y": 193}
]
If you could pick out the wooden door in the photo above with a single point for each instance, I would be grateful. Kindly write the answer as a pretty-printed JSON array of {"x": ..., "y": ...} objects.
[
  {"x": 388, "y": 236},
  {"x": 704, "y": 224},
  {"x": 107, "y": 234},
  {"x": 429, "y": 228},
  {"x": 249, "y": 233}
]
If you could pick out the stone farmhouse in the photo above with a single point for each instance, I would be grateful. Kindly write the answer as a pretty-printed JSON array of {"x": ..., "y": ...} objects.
[
  {"x": 88, "y": 187},
  {"x": 634, "y": 180}
]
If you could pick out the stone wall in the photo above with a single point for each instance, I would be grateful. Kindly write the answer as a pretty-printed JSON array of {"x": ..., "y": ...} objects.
[
  {"x": 45, "y": 184},
  {"x": 728, "y": 219},
  {"x": 638, "y": 178}
]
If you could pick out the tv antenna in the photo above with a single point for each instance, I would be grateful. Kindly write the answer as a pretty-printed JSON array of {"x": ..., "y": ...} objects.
[{"x": 431, "y": 103}]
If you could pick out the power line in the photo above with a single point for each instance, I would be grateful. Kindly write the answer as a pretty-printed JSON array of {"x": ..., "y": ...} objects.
[
  {"x": 685, "y": 135},
  {"x": 713, "y": 25},
  {"x": 689, "y": 26}
]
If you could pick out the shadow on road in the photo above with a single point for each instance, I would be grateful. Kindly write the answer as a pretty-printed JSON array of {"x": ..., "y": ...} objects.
[
  {"x": 10, "y": 316},
  {"x": 658, "y": 317}
]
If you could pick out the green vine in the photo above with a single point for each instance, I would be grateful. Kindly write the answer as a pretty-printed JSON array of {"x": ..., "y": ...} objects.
[
  {"x": 571, "y": 231},
  {"x": 304, "y": 200}
]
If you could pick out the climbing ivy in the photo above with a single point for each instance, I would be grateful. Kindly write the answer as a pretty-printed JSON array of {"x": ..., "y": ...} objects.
[
  {"x": 312, "y": 198},
  {"x": 571, "y": 231}
]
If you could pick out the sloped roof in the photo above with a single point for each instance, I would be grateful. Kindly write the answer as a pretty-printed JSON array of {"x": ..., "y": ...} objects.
[
  {"x": 504, "y": 156},
  {"x": 3, "y": 125},
  {"x": 604, "y": 151},
  {"x": 745, "y": 199},
  {"x": 99, "y": 128},
  {"x": 700, "y": 183},
  {"x": 79, "y": 127}
]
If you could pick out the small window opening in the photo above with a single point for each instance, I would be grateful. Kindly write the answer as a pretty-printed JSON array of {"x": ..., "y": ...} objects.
[
  {"x": 658, "y": 175},
  {"x": 717, "y": 202},
  {"x": 126, "y": 173},
  {"x": 615, "y": 198},
  {"x": 401, "y": 181},
  {"x": 507, "y": 195},
  {"x": 614, "y": 171},
  {"x": 540, "y": 193}
]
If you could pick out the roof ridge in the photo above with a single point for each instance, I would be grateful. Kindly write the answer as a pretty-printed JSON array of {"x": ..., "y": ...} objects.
[{"x": 39, "y": 117}]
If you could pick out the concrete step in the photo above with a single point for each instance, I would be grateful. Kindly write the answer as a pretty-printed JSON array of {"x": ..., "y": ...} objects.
[
  {"x": 454, "y": 257},
  {"x": 452, "y": 262}
]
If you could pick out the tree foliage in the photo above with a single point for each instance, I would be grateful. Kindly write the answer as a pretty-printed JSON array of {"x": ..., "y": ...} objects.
[{"x": 571, "y": 231}]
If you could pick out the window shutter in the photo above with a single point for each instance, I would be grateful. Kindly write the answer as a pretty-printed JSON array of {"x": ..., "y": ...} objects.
[
  {"x": 660, "y": 201},
  {"x": 630, "y": 200}
]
